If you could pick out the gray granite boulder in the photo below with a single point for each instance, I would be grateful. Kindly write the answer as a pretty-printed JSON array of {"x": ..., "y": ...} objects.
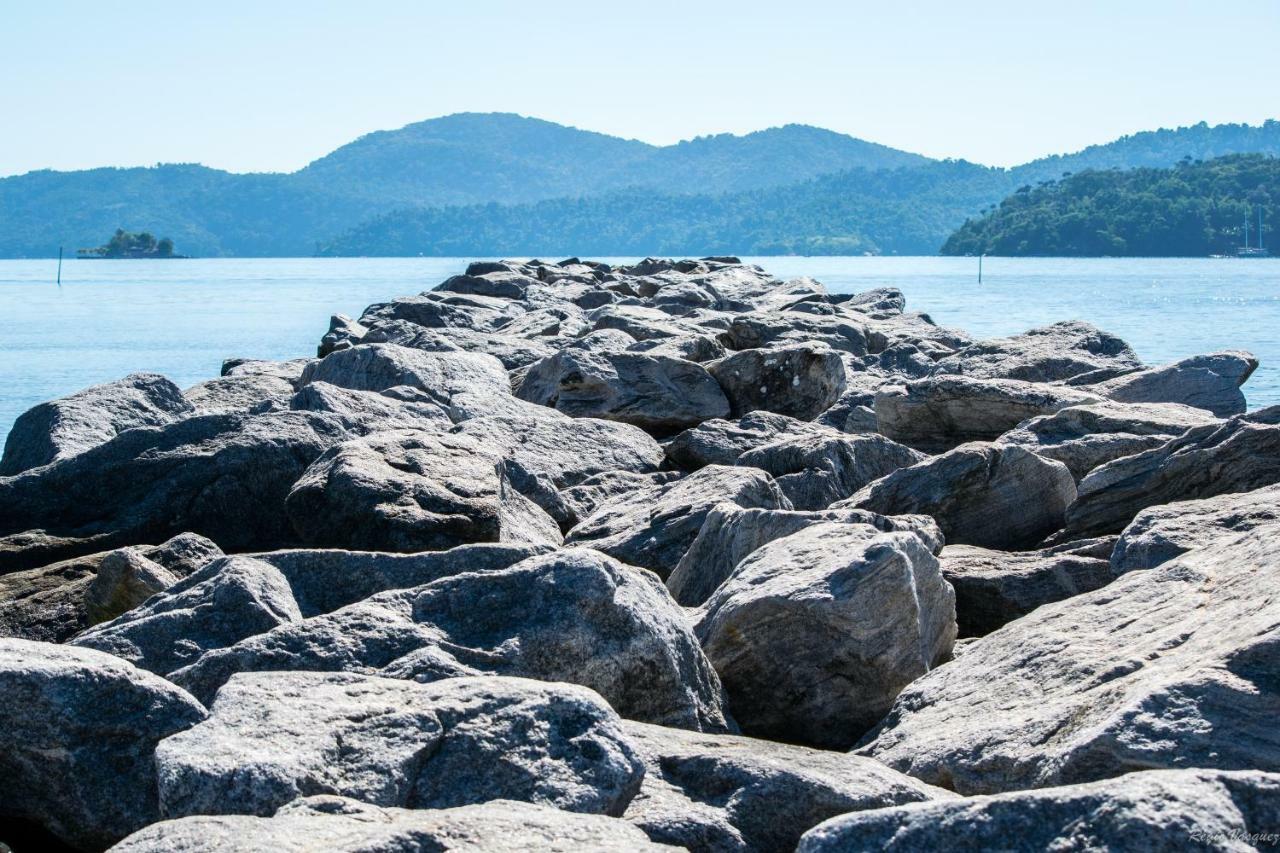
[
  {"x": 731, "y": 533},
  {"x": 1209, "y": 382},
  {"x": 443, "y": 309},
  {"x": 800, "y": 380},
  {"x": 580, "y": 501},
  {"x": 377, "y": 367},
  {"x": 705, "y": 792},
  {"x": 1173, "y": 667},
  {"x": 760, "y": 329},
  {"x": 573, "y": 615},
  {"x": 78, "y": 731},
  {"x": 240, "y": 393},
  {"x": 409, "y": 490},
  {"x": 343, "y": 333},
  {"x": 402, "y": 407},
  {"x": 1159, "y": 811},
  {"x": 272, "y": 737},
  {"x": 85, "y": 419},
  {"x": 125, "y": 579},
  {"x": 938, "y": 413},
  {"x": 991, "y": 495},
  {"x": 514, "y": 352},
  {"x": 653, "y": 527},
  {"x": 1048, "y": 354},
  {"x": 340, "y": 825},
  {"x": 721, "y": 442},
  {"x": 814, "y": 634},
  {"x": 815, "y": 471}
]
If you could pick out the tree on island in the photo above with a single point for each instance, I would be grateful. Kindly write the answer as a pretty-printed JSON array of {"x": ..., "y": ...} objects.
[{"x": 125, "y": 244}]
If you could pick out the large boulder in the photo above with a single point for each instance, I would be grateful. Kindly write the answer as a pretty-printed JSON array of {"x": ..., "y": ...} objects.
[
  {"x": 377, "y": 367},
  {"x": 346, "y": 826},
  {"x": 1048, "y": 354},
  {"x": 402, "y": 407},
  {"x": 938, "y": 413},
  {"x": 991, "y": 495},
  {"x": 800, "y": 380},
  {"x": 653, "y": 527},
  {"x": 1237, "y": 456},
  {"x": 1160, "y": 811},
  {"x": 721, "y": 442},
  {"x": 1210, "y": 382},
  {"x": 513, "y": 352},
  {"x": 1168, "y": 668},
  {"x": 705, "y": 792},
  {"x": 814, "y": 634},
  {"x": 580, "y": 501},
  {"x": 1085, "y": 437},
  {"x": 75, "y": 423},
  {"x": 658, "y": 393},
  {"x": 1160, "y": 533},
  {"x": 78, "y": 731},
  {"x": 815, "y": 471},
  {"x": 240, "y": 393},
  {"x": 995, "y": 587},
  {"x": 407, "y": 490},
  {"x": 574, "y": 615},
  {"x": 272, "y": 737},
  {"x": 759, "y": 329},
  {"x": 444, "y": 310}
]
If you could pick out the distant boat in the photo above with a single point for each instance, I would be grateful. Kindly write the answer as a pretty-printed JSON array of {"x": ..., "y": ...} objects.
[{"x": 1247, "y": 251}]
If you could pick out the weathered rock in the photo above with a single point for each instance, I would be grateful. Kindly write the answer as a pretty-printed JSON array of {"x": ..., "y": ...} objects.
[
  {"x": 346, "y": 826},
  {"x": 512, "y": 351},
  {"x": 815, "y": 471},
  {"x": 504, "y": 284},
  {"x": 640, "y": 322},
  {"x": 408, "y": 490},
  {"x": 239, "y": 394},
  {"x": 78, "y": 730},
  {"x": 1048, "y": 354},
  {"x": 938, "y": 413},
  {"x": 1161, "y": 811},
  {"x": 444, "y": 310},
  {"x": 1160, "y": 533},
  {"x": 222, "y": 476},
  {"x": 800, "y": 380},
  {"x": 995, "y": 587},
  {"x": 1085, "y": 437},
  {"x": 343, "y": 333},
  {"x": 272, "y": 737},
  {"x": 1209, "y": 382},
  {"x": 414, "y": 410},
  {"x": 991, "y": 495},
  {"x": 226, "y": 601},
  {"x": 124, "y": 580},
  {"x": 73, "y": 424},
  {"x": 730, "y": 533},
  {"x": 706, "y": 792},
  {"x": 1240, "y": 455},
  {"x": 653, "y": 527},
  {"x": 721, "y": 442},
  {"x": 655, "y": 392},
  {"x": 700, "y": 348},
  {"x": 377, "y": 367},
  {"x": 814, "y": 634},
  {"x": 579, "y": 502},
  {"x": 766, "y": 328},
  {"x": 1168, "y": 668},
  {"x": 290, "y": 370}
]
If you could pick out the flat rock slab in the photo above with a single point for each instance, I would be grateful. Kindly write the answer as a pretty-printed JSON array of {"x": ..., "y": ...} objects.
[
  {"x": 377, "y": 367},
  {"x": 1049, "y": 354},
  {"x": 272, "y": 737},
  {"x": 1211, "y": 382}
]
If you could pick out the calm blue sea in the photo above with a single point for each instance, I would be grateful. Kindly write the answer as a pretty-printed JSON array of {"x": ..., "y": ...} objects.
[{"x": 181, "y": 318}]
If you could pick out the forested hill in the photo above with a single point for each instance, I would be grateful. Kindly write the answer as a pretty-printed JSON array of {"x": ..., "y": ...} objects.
[{"x": 1193, "y": 209}]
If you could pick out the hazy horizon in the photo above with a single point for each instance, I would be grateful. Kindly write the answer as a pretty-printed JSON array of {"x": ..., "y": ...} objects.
[{"x": 248, "y": 88}]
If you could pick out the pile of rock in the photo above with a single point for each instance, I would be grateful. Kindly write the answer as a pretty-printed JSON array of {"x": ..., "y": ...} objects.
[{"x": 674, "y": 554}]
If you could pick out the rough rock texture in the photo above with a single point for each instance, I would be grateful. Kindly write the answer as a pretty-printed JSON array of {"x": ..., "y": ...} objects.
[
  {"x": 815, "y": 471},
  {"x": 240, "y": 393},
  {"x": 574, "y": 615},
  {"x": 411, "y": 490},
  {"x": 1085, "y": 437},
  {"x": 653, "y": 527},
  {"x": 721, "y": 442},
  {"x": 706, "y": 792},
  {"x": 1049, "y": 354},
  {"x": 377, "y": 367},
  {"x": 1160, "y": 533},
  {"x": 940, "y": 412},
  {"x": 272, "y": 737},
  {"x": 1238, "y": 456},
  {"x": 814, "y": 634},
  {"x": 580, "y": 501},
  {"x": 411, "y": 409},
  {"x": 1209, "y": 382},
  {"x": 991, "y": 495},
  {"x": 346, "y": 826},
  {"x": 1168, "y": 668},
  {"x": 75, "y": 423},
  {"x": 730, "y": 533},
  {"x": 996, "y": 587},
  {"x": 125, "y": 579},
  {"x": 78, "y": 731},
  {"x": 800, "y": 380},
  {"x": 1161, "y": 811},
  {"x": 658, "y": 393}
]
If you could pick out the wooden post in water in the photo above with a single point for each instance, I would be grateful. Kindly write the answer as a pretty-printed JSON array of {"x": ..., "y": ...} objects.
[
  {"x": 59, "y": 266},
  {"x": 980, "y": 269}
]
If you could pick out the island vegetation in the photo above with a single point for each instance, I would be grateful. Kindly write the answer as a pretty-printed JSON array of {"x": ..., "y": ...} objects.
[
  {"x": 1193, "y": 209},
  {"x": 126, "y": 244}
]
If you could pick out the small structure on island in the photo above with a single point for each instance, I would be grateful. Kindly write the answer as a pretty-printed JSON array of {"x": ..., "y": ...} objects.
[{"x": 125, "y": 244}]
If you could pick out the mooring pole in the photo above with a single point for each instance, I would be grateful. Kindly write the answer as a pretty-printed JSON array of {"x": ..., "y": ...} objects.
[
  {"x": 979, "y": 269},
  {"x": 59, "y": 266}
]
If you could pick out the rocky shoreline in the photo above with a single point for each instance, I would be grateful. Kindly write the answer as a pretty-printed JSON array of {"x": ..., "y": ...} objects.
[{"x": 567, "y": 556}]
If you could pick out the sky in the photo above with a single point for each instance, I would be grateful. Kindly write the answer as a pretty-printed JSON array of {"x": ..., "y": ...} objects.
[{"x": 270, "y": 86}]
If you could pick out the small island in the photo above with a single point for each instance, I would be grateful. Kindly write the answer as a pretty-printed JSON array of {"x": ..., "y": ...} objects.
[{"x": 125, "y": 244}]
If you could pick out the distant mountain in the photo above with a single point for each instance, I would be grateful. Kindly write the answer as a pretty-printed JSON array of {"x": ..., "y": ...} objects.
[
  {"x": 1192, "y": 209},
  {"x": 452, "y": 164}
]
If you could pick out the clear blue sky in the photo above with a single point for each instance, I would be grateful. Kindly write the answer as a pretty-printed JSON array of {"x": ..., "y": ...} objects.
[{"x": 266, "y": 85}]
